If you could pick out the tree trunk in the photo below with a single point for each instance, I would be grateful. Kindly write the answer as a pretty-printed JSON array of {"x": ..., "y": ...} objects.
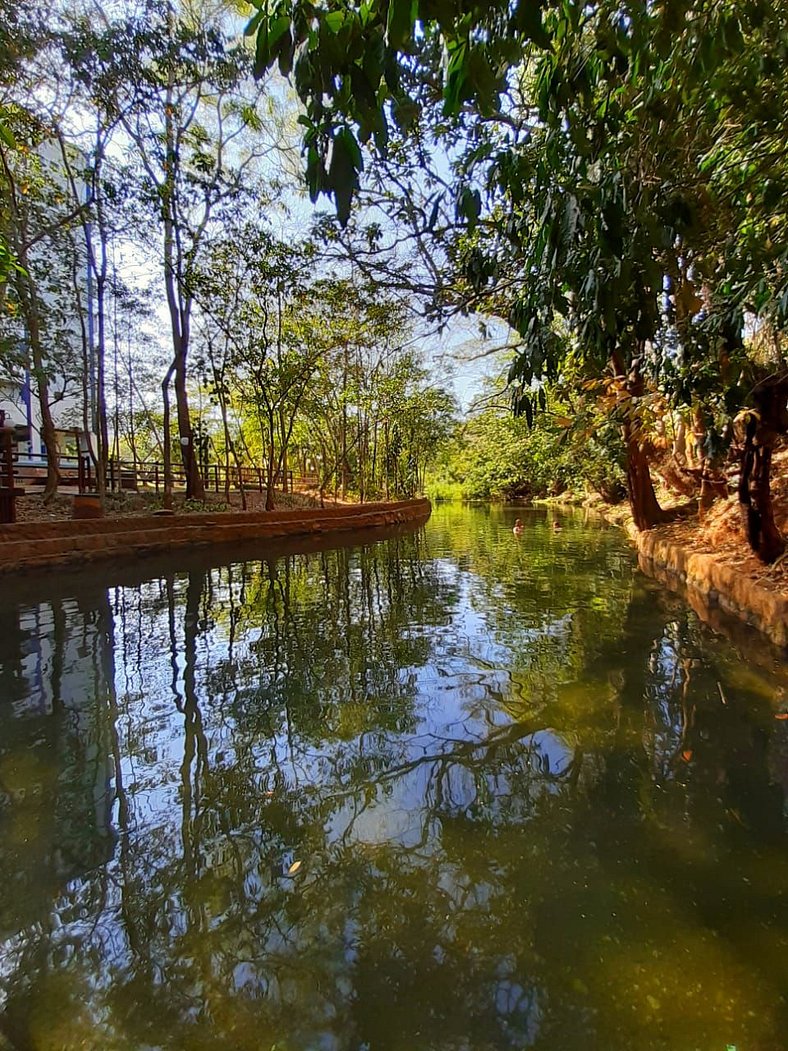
[
  {"x": 387, "y": 465},
  {"x": 283, "y": 438},
  {"x": 195, "y": 487},
  {"x": 102, "y": 425},
  {"x": 344, "y": 427},
  {"x": 227, "y": 454},
  {"x": 98, "y": 268},
  {"x": 47, "y": 425},
  {"x": 179, "y": 306},
  {"x": 132, "y": 426},
  {"x": 362, "y": 462},
  {"x": 28, "y": 301},
  {"x": 269, "y": 488},
  {"x": 680, "y": 443},
  {"x": 167, "y": 439},
  {"x": 755, "y": 495},
  {"x": 87, "y": 425},
  {"x": 643, "y": 502},
  {"x": 374, "y": 466}
]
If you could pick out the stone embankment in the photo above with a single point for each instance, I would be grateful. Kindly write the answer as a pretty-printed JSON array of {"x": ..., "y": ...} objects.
[
  {"x": 711, "y": 584},
  {"x": 52, "y": 544}
]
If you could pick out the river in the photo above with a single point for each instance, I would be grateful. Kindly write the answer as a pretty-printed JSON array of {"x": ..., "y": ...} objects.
[{"x": 448, "y": 788}]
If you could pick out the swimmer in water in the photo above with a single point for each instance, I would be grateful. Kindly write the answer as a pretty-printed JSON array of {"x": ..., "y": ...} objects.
[
  {"x": 556, "y": 527},
  {"x": 518, "y": 527}
]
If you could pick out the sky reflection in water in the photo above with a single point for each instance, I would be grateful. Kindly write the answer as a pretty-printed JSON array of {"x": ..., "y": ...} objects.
[{"x": 455, "y": 789}]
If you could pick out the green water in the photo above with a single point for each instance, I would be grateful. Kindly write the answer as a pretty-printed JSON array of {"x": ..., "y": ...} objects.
[{"x": 454, "y": 789}]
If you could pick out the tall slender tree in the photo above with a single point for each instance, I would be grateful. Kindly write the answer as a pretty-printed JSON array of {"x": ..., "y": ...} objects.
[{"x": 187, "y": 105}]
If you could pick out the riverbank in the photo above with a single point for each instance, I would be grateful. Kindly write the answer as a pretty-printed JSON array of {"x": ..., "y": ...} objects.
[
  {"x": 711, "y": 560},
  {"x": 42, "y": 545}
]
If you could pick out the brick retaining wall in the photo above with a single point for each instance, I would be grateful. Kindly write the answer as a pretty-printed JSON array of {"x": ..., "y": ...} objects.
[
  {"x": 719, "y": 584},
  {"x": 51, "y": 544}
]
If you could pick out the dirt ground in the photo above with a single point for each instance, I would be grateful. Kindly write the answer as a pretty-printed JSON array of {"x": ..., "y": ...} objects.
[
  {"x": 721, "y": 532},
  {"x": 31, "y": 506}
]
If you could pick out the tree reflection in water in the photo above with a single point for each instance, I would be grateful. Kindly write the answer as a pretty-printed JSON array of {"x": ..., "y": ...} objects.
[{"x": 451, "y": 790}]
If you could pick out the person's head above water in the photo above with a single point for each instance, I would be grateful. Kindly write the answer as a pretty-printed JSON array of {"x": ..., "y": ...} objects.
[{"x": 518, "y": 526}]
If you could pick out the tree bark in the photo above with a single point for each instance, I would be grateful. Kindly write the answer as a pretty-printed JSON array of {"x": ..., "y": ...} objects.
[
  {"x": 102, "y": 425},
  {"x": 28, "y": 300},
  {"x": 166, "y": 447},
  {"x": 646, "y": 511},
  {"x": 195, "y": 486},
  {"x": 755, "y": 498},
  {"x": 179, "y": 306},
  {"x": 269, "y": 485}
]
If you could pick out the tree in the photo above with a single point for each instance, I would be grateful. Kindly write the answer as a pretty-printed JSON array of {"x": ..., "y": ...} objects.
[
  {"x": 372, "y": 419},
  {"x": 265, "y": 331},
  {"x": 589, "y": 162},
  {"x": 99, "y": 80},
  {"x": 20, "y": 37},
  {"x": 186, "y": 106},
  {"x": 40, "y": 316}
]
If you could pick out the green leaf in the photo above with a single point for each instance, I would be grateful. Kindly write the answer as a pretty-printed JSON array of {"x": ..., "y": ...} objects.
[
  {"x": 469, "y": 206},
  {"x": 277, "y": 29},
  {"x": 251, "y": 26},
  {"x": 7, "y": 136},
  {"x": 456, "y": 89},
  {"x": 335, "y": 20},
  {"x": 401, "y": 18},
  {"x": 529, "y": 21},
  {"x": 303, "y": 70},
  {"x": 262, "y": 51},
  {"x": 346, "y": 163}
]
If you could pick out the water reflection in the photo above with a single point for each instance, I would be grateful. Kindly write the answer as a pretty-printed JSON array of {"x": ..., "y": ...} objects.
[{"x": 452, "y": 790}]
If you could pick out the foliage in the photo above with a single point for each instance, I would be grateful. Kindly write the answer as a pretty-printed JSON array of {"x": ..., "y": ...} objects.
[
  {"x": 311, "y": 369},
  {"x": 617, "y": 177},
  {"x": 37, "y": 222},
  {"x": 567, "y": 448}
]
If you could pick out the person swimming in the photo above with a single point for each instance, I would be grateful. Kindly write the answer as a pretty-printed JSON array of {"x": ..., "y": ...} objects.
[
  {"x": 518, "y": 526},
  {"x": 556, "y": 527}
]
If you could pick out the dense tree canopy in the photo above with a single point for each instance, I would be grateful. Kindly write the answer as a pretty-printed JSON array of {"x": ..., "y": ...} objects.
[
  {"x": 164, "y": 291},
  {"x": 606, "y": 181},
  {"x": 615, "y": 174}
]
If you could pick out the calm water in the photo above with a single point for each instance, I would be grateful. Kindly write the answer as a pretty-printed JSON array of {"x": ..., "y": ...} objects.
[{"x": 451, "y": 790}]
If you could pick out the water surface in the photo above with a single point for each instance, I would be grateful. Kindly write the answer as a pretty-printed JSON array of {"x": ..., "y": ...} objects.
[{"x": 454, "y": 789}]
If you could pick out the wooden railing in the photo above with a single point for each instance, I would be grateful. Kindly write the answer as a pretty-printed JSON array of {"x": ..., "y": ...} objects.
[{"x": 31, "y": 470}]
